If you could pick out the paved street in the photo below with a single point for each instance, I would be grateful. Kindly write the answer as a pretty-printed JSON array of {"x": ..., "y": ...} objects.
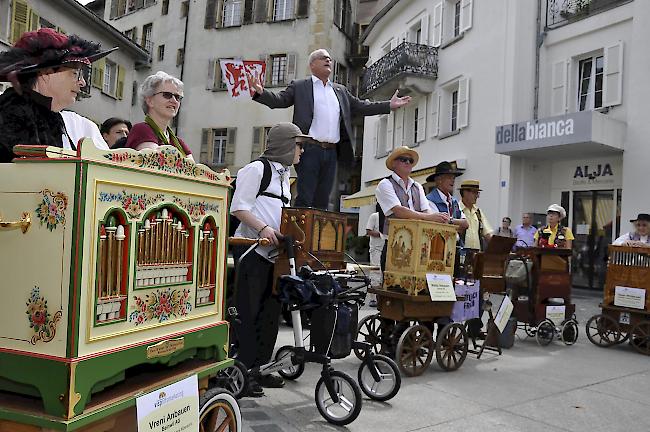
[{"x": 529, "y": 388}]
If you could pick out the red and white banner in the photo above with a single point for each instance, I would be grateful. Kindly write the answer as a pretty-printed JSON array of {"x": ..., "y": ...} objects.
[{"x": 234, "y": 75}]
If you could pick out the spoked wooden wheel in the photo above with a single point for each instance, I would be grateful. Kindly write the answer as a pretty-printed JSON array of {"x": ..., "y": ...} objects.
[
  {"x": 219, "y": 412},
  {"x": 369, "y": 331},
  {"x": 414, "y": 350},
  {"x": 640, "y": 337},
  {"x": 603, "y": 331},
  {"x": 452, "y": 346}
]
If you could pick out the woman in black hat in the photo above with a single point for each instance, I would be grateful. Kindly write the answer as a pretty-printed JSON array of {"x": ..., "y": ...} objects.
[
  {"x": 45, "y": 69},
  {"x": 640, "y": 237}
]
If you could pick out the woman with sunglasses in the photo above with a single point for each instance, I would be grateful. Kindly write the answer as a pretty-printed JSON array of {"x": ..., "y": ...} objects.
[
  {"x": 160, "y": 98},
  {"x": 45, "y": 69}
]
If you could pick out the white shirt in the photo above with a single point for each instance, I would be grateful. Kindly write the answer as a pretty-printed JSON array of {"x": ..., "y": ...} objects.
[
  {"x": 626, "y": 237},
  {"x": 373, "y": 225},
  {"x": 266, "y": 209},
  {"x": 326, "y": 123},
  {"x": 387, "y": 198},
  {"x": 79, "y": 127}
]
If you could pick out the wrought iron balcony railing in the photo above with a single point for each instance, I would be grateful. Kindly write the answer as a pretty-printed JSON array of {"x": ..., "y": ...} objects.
[
  {"x": 561, "y": 12},
  {"x": 406, "y": 58}
]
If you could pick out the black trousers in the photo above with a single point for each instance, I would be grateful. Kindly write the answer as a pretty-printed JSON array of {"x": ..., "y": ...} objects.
[
  {"x": 316, "y": 172},
  {"x": 258, "y": 309}
]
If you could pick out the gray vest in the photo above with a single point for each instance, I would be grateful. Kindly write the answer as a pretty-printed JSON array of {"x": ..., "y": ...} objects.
[
  {"x": 636, "y": 237},
  {"x": 403, "y": 198}
]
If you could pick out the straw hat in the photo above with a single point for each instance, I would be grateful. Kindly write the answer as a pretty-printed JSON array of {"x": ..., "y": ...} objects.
[
  {"x": 402, "y": 151},
  {"x": 470, "y": 185}
]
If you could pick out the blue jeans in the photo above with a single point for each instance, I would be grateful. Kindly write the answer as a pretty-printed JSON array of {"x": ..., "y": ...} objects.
[{"x": 316, "y": 172}]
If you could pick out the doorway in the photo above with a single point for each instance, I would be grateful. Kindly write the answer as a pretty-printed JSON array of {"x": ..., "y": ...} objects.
[{"x": 595, "y": 224}]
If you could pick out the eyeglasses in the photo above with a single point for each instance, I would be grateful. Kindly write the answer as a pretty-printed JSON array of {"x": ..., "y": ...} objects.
[
  {"x": 168, "y": 95},
  {"x": 405, "y": 160}
]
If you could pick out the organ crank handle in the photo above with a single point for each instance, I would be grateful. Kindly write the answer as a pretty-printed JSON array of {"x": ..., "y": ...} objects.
[
  {"x": 242, "y": 241},
  {"x": 24, "y": 223}
]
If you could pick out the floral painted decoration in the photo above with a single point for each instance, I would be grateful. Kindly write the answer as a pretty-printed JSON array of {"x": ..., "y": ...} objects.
[
  {"x": 196, "y": 209},
  {"x": 40, "y": 320},
  {"x": 161, "y": 305},
  {"x": 134, "y": 204},
  {"x": 51, "y": 211}
]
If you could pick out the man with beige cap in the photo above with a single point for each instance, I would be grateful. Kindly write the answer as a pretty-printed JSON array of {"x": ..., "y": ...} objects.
[
  {"x": 479, "y": 229},
  {"x": 399, "y": 196}
]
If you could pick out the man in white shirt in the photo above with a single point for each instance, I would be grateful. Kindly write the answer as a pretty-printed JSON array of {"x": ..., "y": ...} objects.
[
  {"x": 399, "y": 196},
  {"x": 641, "y": 235},
  {"x": 320, "y": 108},
  {"x": 376, "y": 243},
  {"x": 260, "y": 215}
]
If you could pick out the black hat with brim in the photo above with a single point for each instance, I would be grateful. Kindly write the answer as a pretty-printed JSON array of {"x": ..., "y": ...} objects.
[
  {"x": 641, "y": 217},
  {"x": 444, "y": 167}
]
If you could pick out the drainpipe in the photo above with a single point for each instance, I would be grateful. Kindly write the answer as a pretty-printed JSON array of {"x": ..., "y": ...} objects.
[
  {"x": 187, "y": 18},
  {"x": 539, "y": 40}
]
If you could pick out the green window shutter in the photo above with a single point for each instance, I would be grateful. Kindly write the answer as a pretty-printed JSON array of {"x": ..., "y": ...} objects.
[
  {"x": 121, "y": 71},
  {"x": 34, "y": 21},
  {"x": 98, "y": 73},
  {"x": 206, "y": 138},
  {"x": 230, "y": 147},
  {"x": 19, "y": 19},
  {"x": 258, "y": 138}
]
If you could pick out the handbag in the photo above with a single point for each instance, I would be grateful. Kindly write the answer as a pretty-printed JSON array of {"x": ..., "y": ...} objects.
[{"x": 518, "y": 271}]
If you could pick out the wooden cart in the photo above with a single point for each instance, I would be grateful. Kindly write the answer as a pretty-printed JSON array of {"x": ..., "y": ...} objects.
[
  {"x": 544, "y": 309},
  {"x": 113, "y": 268},
  {"x": 626, "y": 301}
]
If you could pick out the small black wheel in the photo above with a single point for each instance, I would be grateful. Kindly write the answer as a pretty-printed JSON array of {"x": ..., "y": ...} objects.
[
  {"x": 368, "y": 331},
  {"x": 530, "y": 330},
  {"x": 219, "y": 411},
  {"x": 569, "y": 332},
  {"x": 347, "y": 408},
  {"x": 291, "y": 372},
  {"x": 545, "y": 332},
  {"x": 234, "y": 378},
  {"x": 389, "y": 382},
  {"x": 603, "y": 331}
]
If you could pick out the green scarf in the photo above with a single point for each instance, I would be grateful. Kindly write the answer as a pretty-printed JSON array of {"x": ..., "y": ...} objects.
[{"x": 161, "y": 136}]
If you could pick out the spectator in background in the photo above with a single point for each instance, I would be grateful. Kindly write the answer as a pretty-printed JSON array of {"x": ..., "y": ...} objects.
[
  {"x": 525, "y": 232},
  {"x": 373, "y": 230},
  {"x": 113, "y": 129},
  {"x": 504, "y": 230}
]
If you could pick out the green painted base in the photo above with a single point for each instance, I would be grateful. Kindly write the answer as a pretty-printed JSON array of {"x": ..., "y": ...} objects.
[{"x": 65, "y": 389}]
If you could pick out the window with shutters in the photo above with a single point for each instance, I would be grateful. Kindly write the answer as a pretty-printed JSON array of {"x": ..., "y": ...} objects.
[
  {"x": 342, "y": 14},
  {"x": 180, "y": 56},
  {"x": 147, "y": 32},
  {"x": 278, "y": 69},
  {"x": 165, "y": 7},
  {"x": 340, "y": 74},
  {"x": 185, "y": 8},
  {"x": 232, "y": 13},
  {"x": 381, "y": 136},
  {"x": 590, "y": 83},
  {"x": 110, "y": 78},
  {"x": 450, "y": 108},
  {"x": 283, "y": 10},
  {"x": 456, "y": 18},
  {"x": 260, "y": 135},
  {"x": 161, "y": 52},
  {"x": 217, "y": 149},
  {"x": 454, "y": 111},
  {"x": 451, "y": 19},
  {"x": 5, "y": 20}
]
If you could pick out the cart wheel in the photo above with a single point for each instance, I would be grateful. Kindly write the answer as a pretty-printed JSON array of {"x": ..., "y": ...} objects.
[
  {"x": 414, "y": 350},
  {"x": 603, "y": 331},
  {"x": 452, "y": 346},
  {"x": 234, "y": 378},
  {"x": 389, "y": 382},
  {"x": 219, "y": 411},
  {"x": 569, "y": 333},
  {"x": 348, "y": 407},
  {"x": 530, "y": 330},
  {"x": 545, "y": 332},
  {"x": 369, "y": 331},
  {"x": 640, "y": 337},
  {"x": 292, "y": 372}
]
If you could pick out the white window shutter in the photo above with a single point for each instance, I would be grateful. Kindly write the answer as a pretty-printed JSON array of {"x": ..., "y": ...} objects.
[
  {"x": 466, "y": 11},
  {"x": 394, "y": 42},
  {"x": 404, "y": 37},
  {"x": 375, "y": 139},
  {"x": 437, "y": 25},
  {"x": 399, "y": 128},
  {"x": 613, "y": 83},
  {"x": 435, "y": 114},
  {"x": 291, "y": 67},
  {"x": 424, "y": 30},
  {"x": 209, "y": 84},
  {"x": 559, "y": 88},
  {"x": 463, "y": 103},
  {"x": 422, "y": 119},
  {"x": 390, "y": 125}
]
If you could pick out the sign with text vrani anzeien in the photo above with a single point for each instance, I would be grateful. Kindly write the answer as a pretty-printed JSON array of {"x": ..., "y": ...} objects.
[{"x": 548, "y": 132}]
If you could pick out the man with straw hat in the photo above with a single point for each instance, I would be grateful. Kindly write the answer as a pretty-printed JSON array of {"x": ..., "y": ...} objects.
[
  {"x": 399, "y": 196},
  {"x": 479, "y": 229}
]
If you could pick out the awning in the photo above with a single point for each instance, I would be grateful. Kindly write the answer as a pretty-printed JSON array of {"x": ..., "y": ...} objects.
[{"x": 365, "y": 196}]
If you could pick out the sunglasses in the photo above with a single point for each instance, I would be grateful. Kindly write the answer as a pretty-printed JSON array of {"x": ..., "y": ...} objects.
[
  {"x": 169, "y": 95},
  {"x": 405, "y": 160}
]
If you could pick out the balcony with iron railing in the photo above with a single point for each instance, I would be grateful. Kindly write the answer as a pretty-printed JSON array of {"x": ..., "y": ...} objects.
[
  {"x": 409, "y": 66},
  {"x": 562, "y": 12}
]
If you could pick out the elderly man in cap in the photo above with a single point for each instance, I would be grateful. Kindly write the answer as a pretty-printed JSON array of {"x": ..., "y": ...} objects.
[
  {"x": 46, "y": 70},
  {"x": 260, "y": 215},
  {"x": 554, "y": 234},
  {"x": 640, "y": 237},
  {"x": 441, "y": 197},
  {"x": 479, "y": 229},
  {"x": 399, "y": 196}
]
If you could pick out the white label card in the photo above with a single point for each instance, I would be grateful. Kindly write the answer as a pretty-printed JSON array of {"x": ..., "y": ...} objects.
[
  {"x": 174, "y": 408},
  {"x": 505, "y": 310},
  {"x": 441, "y": 287},
  {"x": 629, "y": 297},
  {"x": 556, "y": 313}
]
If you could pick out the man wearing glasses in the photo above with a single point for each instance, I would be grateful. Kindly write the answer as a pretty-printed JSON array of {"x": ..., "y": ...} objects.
[
  {"x": 324, "y": 111},
  {"x": 399, "y": 196},
  {"x": 479, "y": 230}
]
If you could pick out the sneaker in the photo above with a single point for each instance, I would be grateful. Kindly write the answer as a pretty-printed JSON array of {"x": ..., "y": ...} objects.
[
  {"x": 372, "y": 303},
  {"x": 270, "y": 381},
  {"x": 254, "y": 388}
]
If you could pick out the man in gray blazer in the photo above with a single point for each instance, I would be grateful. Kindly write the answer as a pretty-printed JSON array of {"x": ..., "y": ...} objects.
[{"x": 323, "y": 110}]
